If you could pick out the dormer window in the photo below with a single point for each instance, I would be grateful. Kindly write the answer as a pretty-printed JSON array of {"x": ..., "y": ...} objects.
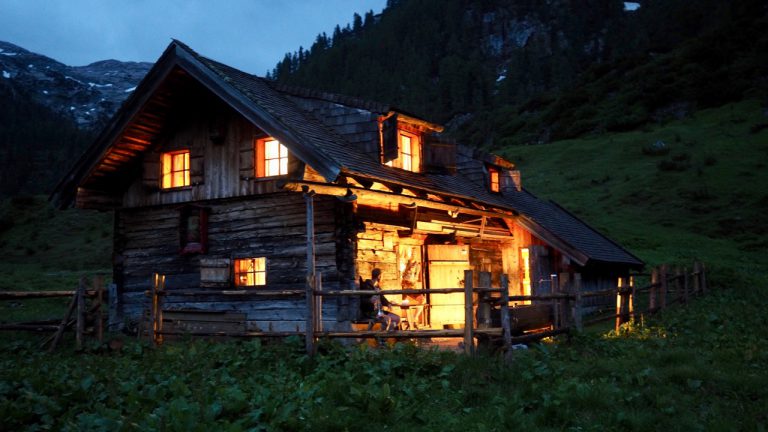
[
  {"x": 493, "y": 179},
  {"x": 271, "y": 158},
  {"x": 408, "y": 152}
]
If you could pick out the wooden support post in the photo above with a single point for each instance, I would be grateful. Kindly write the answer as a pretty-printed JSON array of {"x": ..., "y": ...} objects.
[
  {"x": 685, "y": 285},
  {"x": 577, "y": 308},
  {"x": 469, "y": 337},
  {"x": 309, "y": 338},
  {"x": 318, "y": 302},
  {"x": 663, "y": 271},
  {"x": 505, "y": 324},
  {"x": 619, "y": 303},
  {"x": 566, "y": 315},
  {"x": 80, "y": 317},
  {"x": 654, "y": 289},
  {"x": 98, "y": 281},
  {"x": 483, "y": 301}
]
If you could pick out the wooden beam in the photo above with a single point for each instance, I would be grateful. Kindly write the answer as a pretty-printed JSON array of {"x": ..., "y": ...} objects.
[{"x": 379, "y": 196}]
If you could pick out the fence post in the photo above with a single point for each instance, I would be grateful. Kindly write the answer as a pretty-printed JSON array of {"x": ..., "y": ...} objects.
[
  {"x": 577, "y": 309},
  {"x": 98, "y": 281},
  {"x": 160, "y": 290},
  {"x": 309, "y": 337},
  {"x": 564, "y": 287},
  {"x": 469, "y": 338},
  {"x": 654, "y": 289},
  {"x": 685, "y": 285},
  {"x": 697, "y": 278},
  {"x": 664, "y": 286},
  {"x": 153, "y": 310},
  {"x": 80, "y": 317},
  {"x": 619, "y": 303},
  {"x": 631, "y": 300},
  {"x": 505, "y": 324},
  {"x": 703, "y": 270},
  {"x": 483, "y": 304},
  {"x": 556, "y": 303}
]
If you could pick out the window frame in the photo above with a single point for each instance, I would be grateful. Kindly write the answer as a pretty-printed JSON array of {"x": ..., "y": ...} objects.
[
  {"x": 167, "y": 159},
  {"x": 494, "y": 186},
  {"x": 415, "y": 155},
  {"x": 237, "y": 275},
  {"x": 187, "y": 247},
  {"x": 260, "y": 161}
]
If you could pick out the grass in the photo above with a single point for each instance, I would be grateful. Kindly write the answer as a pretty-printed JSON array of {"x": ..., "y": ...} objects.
[
  {"x": 46, "y": 249},
  {"x": 699, "y": 367}
]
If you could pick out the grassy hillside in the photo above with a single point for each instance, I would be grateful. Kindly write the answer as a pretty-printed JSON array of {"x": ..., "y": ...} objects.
[
  {"x": 43, "y": 248},
  {"x": 694, "y": 188}
]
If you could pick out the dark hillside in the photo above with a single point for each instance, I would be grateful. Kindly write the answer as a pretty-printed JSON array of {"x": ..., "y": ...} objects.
[{"x": 37, "y": 146}]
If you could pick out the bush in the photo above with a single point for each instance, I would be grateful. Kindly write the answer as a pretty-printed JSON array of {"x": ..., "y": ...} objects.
[{"x": 658, "y": 148}]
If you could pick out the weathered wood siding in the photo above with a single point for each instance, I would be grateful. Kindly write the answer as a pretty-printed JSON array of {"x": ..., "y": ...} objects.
[
  {"x": 220, "y": 168},
  {"x": 271, "y": 226}
]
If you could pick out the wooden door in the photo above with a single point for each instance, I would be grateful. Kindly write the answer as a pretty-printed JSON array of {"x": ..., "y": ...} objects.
[{"x": 446, "y": 270}]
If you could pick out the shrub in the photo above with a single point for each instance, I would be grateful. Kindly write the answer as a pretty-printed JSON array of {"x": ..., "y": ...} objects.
[{"x": 658, "y": 148}]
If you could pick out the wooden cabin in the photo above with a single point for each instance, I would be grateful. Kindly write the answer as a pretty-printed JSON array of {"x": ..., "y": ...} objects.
[{"x": 212, "y": 174}]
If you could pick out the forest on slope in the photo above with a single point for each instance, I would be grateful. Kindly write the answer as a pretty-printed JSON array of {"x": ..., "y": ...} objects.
[{"x": 524, "y": 72}]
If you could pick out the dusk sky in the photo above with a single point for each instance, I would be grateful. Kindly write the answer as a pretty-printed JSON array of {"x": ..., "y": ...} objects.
[{"x": 252, "y": 35}]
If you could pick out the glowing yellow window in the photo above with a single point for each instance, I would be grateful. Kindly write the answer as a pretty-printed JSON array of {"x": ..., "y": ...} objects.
[
  {"x": 408, "y": 152},
  {"x": 494, "y": 178},
  {"x": 251, "y": 272},
  {"x": 175, "y": 167},
  {"x": 271, "y": 158}
]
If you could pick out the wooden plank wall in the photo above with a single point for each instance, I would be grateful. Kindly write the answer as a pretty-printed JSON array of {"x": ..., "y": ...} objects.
[{"x": 273, "y": 226}]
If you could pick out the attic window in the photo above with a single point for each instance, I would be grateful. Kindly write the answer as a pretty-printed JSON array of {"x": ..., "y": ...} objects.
[
  {"x": 493, "y": 177},
  {"x": 175, "y": 169},
  {"x": 271, "y": 158},
  {"x": 250, "y": 272},
  {"x": 408, "y": 152}
]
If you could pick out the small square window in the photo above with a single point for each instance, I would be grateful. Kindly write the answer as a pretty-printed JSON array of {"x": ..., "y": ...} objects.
[
  {"x": 175, "y": 169},
  {"x": 250, "y": 272},
  {"x": 193, "y": 230},
  {"x": 271, "y": 158}
]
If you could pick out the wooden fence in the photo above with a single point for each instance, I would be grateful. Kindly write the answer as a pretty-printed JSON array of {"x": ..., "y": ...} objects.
[
  {"x": 567, "y": 313},
  {"x": 87, "y": 319}
]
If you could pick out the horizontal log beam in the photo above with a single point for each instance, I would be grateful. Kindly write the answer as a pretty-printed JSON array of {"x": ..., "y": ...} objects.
[
  {"x": 379, "y": 196},
  {"x": 15, "y": 295}
]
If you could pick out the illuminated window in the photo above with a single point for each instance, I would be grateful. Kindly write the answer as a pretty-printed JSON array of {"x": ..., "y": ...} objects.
[
  {"x": 493, "y": 175},
  {"x": 250, "y": 272},
  {"x": 408, "y": 152},
  {"x": 175, "y": 167},
  {"x": 271, "y": 158}
]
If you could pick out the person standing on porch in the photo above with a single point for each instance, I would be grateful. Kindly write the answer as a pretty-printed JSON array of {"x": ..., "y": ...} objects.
[{"x": 373, "y": 307}]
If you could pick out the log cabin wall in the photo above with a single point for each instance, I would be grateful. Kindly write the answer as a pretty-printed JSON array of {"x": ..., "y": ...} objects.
[{"x": 273, "y": 226}]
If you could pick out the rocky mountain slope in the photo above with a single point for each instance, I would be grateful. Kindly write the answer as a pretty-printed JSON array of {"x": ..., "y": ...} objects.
[{"x": 87, "y": 94}]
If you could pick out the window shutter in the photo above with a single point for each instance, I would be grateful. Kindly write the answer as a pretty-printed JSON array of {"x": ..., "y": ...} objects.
[
  {"x": 246, "y": 160},
  {"x": 258, "y": 150},
  {"x": 196, "y": 165},
  {"x": 439, "y": 155},
  {"x": 389, "y": 139},
  {"x": 150, "y": 176}
]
